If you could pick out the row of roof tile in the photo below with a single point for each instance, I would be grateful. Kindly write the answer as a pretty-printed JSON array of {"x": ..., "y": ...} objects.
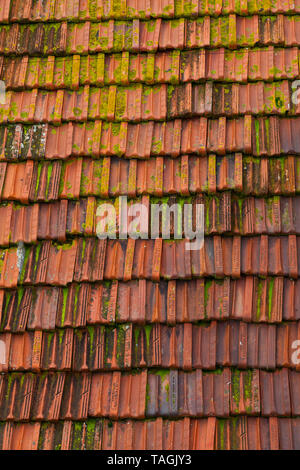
[
  {"x": 60, "y": 219},
  {"x": 94, "y": 260},
  {"x": 239, "y": 216},
  {"x": 239, "y": 433},
  {"x": 150, "y": 393},
  {"x": 163, "y": 67},
  {"x": 97, "y": 10},
  {"x": 261, "y": 136},
  {"x": 185, "y": 346},
  {"x": 249, "y": 299},
  {"x": 149, "y": 103},
  {"x": 112, "y": 177},
  {"x": 148, "y": 36}
]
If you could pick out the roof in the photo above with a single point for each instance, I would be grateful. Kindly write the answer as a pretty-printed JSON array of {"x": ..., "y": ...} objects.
[{"x": 141, "y": 344}]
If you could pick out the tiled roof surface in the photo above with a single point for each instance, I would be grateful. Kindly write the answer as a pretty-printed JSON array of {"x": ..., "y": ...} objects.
[{"x": 141, "y": 344}]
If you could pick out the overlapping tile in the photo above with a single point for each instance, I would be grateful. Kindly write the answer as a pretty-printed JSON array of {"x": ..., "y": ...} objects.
[
  {"x": 75, "y": 71},
  {"x": 104, "y": 10},
  {"x": 95, "y": 260},
  {"x": 58, "y": 220},
  {"x": 162, "y": 393},
  {"x": 122, "y": 347},
  {"x": 248, "y": 299},
  {"x": 177, "y": 137},
  {"x": 139, "y": 102},
  {"x": 142, "y": 344},
  {"x": 148, "y": 36},
  {"x": 240, "y": 433}
]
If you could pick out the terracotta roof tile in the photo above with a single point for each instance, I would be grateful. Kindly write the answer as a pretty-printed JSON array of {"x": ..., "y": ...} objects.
[
  {"x": 230, "y": 257},
  {"x": 79, "y": 396},
  {"x": 142, "y": 344},
  {"x": 99, "y": 348},
  {"x": 249, "y": 299},
  {"x": 239, "y": 433},
  {"x": 84, "y": 10},
  {"x": 219, "y": 136},
  {"x": 162, "y": 67},
  {"x": 133, "y": 35},
  {"x": 139, "y": 103},
  {"x": 51, "y": 259}
]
